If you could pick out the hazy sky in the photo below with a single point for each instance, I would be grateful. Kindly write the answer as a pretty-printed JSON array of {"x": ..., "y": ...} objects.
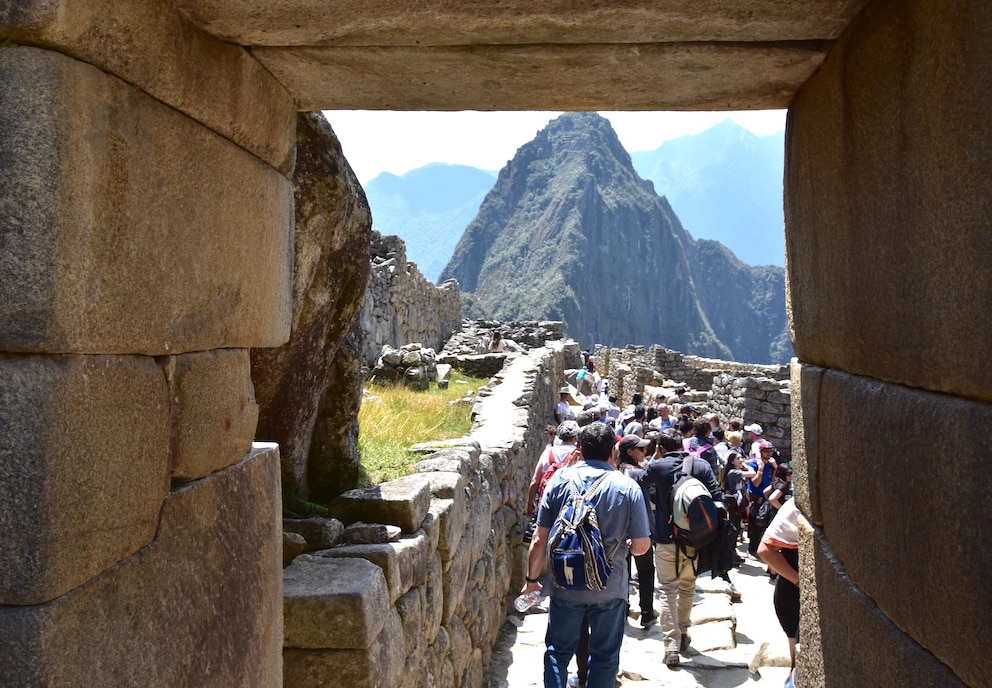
[{"x": 397, "y": 142}]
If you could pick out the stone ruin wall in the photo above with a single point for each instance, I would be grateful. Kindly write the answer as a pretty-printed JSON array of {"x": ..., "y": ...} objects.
[
  {"x": 401, "y": 306},
  {"x": 464, "y": 351},
  {"x": 426, "y": 610},
  {"x": 753, "y": 392}
]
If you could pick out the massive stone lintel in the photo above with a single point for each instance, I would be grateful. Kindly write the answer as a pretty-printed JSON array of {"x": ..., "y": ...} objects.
[
  {"x": 651, "y": 76},
  {"x": 128, "y": 227},
  {"x": 464, "y": 22}
]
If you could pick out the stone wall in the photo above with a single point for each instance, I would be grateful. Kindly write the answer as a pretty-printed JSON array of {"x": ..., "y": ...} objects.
[
  {"x": 146, "y": 230},
  {"x": 888, "y": 181},
  {"x": 466, "y": 350},
  {"x": 402, "y": 306},
  {"x": 761, "y": 400},
  {"x": 631, "y": 369},
  {"x": 755, "y": 393},
  {"x": 146, "y": 217},
  {"x": 518, "y": 335},
  {"x": 426, "y": 609}
]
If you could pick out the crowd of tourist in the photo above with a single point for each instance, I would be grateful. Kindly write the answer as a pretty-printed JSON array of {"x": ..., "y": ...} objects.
[{"x": 644, "y": 449}]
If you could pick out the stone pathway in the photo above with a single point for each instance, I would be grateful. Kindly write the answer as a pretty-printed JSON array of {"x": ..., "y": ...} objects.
[{"x": 738, "y": 644}]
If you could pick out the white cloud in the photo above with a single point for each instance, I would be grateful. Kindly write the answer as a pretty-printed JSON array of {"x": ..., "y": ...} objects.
[{"x": 397, "y": 142}]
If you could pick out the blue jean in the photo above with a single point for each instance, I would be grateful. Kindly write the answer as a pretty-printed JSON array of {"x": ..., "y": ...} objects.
[{"x": 606, "y": 625}]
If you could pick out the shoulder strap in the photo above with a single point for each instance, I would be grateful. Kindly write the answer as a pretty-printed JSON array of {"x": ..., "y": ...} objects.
[
  {"x": 593, "y": 489},
  {"x": 687, "y": 465}
]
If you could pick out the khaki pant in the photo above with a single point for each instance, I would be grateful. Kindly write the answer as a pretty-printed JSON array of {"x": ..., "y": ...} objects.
[{"x": 678, "y": 592}]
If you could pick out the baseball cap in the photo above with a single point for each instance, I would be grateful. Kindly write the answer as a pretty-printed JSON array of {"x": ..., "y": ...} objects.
[{"x": 631, "y": 441}]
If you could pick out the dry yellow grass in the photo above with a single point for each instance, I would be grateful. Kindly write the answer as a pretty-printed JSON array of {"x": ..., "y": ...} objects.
[{"x": 397, "y": 418}]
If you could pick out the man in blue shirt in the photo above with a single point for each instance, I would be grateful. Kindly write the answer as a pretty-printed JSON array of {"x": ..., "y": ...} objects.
[{"x": 622, "y": 517}]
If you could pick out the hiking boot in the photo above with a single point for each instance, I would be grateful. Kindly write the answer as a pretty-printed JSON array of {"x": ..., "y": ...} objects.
[
  {"x": 649, "y": 618},
  {"x": 683, "y": 645},
  {"x": 672, "y": 659}
]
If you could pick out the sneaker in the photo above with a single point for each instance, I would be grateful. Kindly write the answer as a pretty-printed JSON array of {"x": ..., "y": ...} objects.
[
  {"x": 735, "y": 594},
  {"x": 683, "y": 644},
  {"x": 649, "y": 618},
  {"x": 575, "y": 682},
  {"x": 672, "y": 659}
]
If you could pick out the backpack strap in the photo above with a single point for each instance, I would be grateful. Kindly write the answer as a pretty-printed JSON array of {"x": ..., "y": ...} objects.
[
  {"x": 593, "y": 489},
  {"x": 589, "y": 494},
  {"x": 687, "y": 465}
]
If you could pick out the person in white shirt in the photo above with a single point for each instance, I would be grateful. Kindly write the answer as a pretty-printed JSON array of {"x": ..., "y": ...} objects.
[
  {"x": 562, "y": 409},
  {"x": 752, "y": 440}
]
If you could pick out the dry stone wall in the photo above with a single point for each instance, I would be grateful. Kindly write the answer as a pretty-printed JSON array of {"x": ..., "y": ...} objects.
[
  {"x": 401, "y": 306},
  {"x": 426, "y": 609},
  {"x": 753, "y": 392},
  {"x": 147, "y": 246},
  {"x": 761, "y": 400}
]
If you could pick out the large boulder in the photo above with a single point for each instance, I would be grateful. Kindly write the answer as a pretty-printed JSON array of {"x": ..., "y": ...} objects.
[{"x": 333, "y": 226}]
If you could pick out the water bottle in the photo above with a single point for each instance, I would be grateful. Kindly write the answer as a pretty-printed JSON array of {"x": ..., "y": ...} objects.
[{"x": 527, "y": 600}]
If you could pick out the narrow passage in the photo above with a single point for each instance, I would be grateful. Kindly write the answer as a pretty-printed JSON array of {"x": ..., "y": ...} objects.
[{"x": 728, "y": 641}]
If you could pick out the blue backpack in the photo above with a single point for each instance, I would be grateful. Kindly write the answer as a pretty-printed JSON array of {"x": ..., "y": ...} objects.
[{"x": 577, "y": 557}]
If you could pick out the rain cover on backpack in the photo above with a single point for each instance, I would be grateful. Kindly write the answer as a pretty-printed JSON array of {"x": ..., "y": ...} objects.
[{"x": 577, "y": 558}]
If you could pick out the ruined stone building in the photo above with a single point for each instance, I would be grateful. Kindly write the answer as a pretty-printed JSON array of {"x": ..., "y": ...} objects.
[{"x": 147, "y": 155}]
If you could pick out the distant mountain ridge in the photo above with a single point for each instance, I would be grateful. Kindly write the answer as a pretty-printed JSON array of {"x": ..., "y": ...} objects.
[
  {"x": 571, "y": 232},
  {"x": 725, "y": 184},
  {"x": 429, "y": 208}
]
